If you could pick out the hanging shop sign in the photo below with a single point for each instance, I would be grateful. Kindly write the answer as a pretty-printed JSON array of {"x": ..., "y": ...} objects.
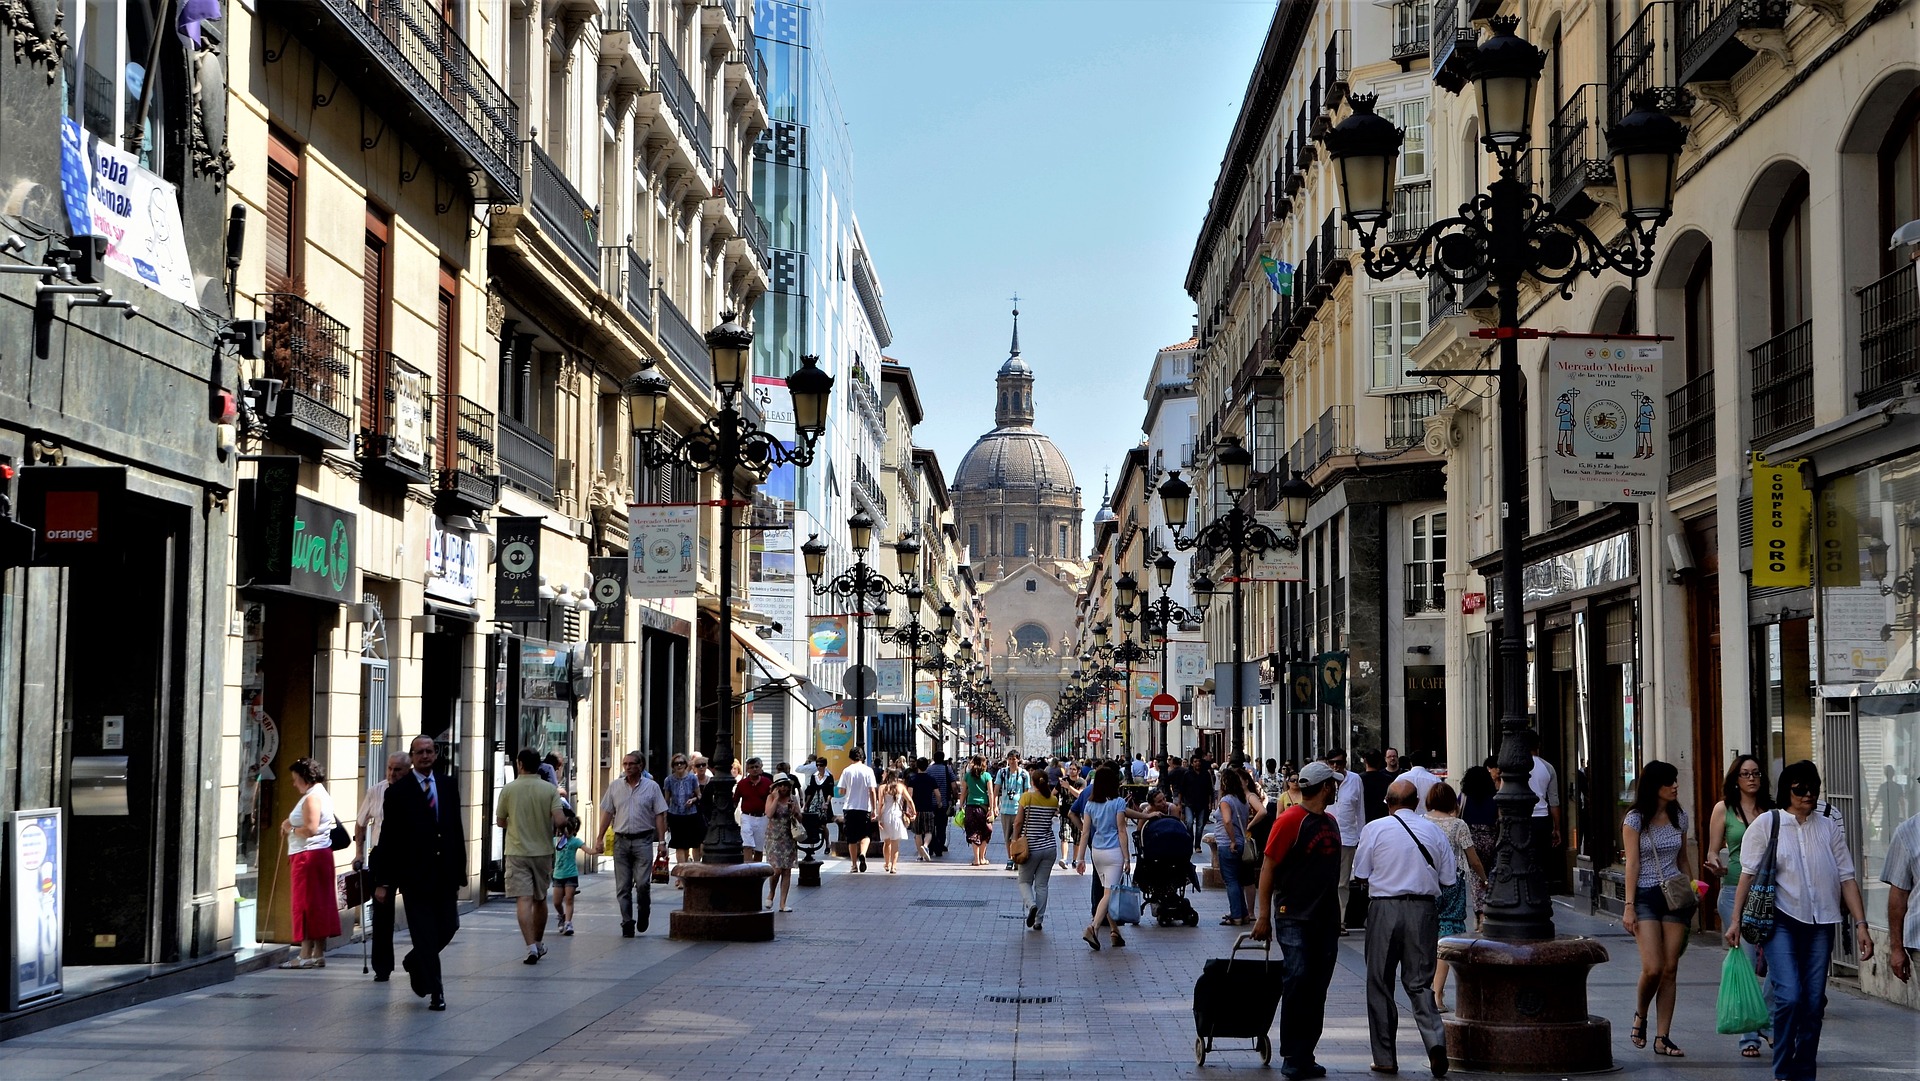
[
  {"x": 407, "y": 424},
  {"x": 108, "y": 194},
  {"x": 608, "y": 623},
  {"x": 662, "y": 540},
  {"x": 1782, "y": 519},
  {"x": 453, "y": 564},
  {"x": 1333, "y": 679},
  {"x": 1279, "y": 563},
  {"x": 294, "y": 544},
  {"x": 1303, "y": 682},
  {"x": 516, "y": 571},
  {"x": 74, "y": 512},
  {"x": 35, "y": 882},
  {"x": 1605, "y": 405}
]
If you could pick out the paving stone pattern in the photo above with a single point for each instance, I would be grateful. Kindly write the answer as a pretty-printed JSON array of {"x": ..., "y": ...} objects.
[{"x": 874, "y": 976}]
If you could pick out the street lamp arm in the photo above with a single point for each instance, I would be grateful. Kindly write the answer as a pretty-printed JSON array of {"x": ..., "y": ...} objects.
[
  {"x": 728, "y": 440},
  {"x": 1236, "y": 531},
  {"x": 858, "y": 582}
]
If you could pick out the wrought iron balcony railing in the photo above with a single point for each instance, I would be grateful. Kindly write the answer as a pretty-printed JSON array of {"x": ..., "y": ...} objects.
[
  {"x": 306, "y": 350},
  {"x": 1889, "y": 336},
  {"x": 396, "y": 418},
  {"x": 1412, "y": 211},
  {"x": 1412, "y": 22},
  {"x": 1708, "y": 34},
  {"x": 1338, "y": 66},
  {"x": 686, "y": 346},
  {"x": 1426, "y": 590},
  {"x": 1646, "y": 61},
  {"x": 563, "y": 211},
  {"x": 468, "y": 471},
  {"x": 1690, "y": 439},
  {"x": 754, "y": 230},
  {"x": 626, "y": 277},
  {"x": 1783, "y": 384},
  {"x": 1578, "y": 152},
  {"x": 526, "y": 460},
  {"x": 1456, "y": 41},
  {"x": 682, "y": 101},
  {"x": 1407, "y": 416}
]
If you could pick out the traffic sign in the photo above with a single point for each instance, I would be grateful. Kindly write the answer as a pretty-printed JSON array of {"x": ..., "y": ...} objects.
[
  {"x": 1164, "y": 707},
  {"x": 979, "y": 739},
  {"x": 1095, "y": 736}
]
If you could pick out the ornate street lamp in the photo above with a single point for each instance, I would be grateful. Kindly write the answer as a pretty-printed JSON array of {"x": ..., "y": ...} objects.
[
  {"x": 1161, "y": 615},
  {"x": 856, "y": 584},
  {"x": 1504, "y": 235},
  {"x": 725, "y": 445}
]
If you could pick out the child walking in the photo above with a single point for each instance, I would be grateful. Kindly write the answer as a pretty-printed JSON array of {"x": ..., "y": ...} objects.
[{"x": 566, "y": 872}]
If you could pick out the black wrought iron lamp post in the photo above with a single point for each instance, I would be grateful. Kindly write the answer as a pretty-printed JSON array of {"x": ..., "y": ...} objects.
[
  {"x": 916, "y": 637},
  {"x": 1240, "y": 534},
  {"x": 726, "y": 444},
  {"x": 1505, "y": 235},
  {"x": 856, "y": 584},
  {"x": 1159, "y": 616}
]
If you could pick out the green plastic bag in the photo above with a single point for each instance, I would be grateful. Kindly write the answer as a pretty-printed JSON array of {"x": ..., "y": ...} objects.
[{"x": 1742, "y": 1007}]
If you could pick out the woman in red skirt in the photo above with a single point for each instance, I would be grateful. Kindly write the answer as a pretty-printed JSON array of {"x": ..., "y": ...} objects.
[{"x": 308, "y": 832}]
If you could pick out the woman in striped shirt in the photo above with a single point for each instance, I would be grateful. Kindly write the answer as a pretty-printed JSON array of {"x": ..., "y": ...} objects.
[{"x": 1039, "y": 807}]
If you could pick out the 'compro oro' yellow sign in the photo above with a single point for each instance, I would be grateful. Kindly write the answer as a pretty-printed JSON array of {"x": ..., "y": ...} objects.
[{"x": 1782, "y": 520}]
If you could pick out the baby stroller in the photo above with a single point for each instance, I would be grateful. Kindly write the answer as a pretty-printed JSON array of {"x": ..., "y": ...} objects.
[{"x": 1165, "y": 870}]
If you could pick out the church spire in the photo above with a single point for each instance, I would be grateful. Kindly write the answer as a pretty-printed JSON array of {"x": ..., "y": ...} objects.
[
  {"x": 1015, "y": 350},
  {"x": 1013, "y": 397}
]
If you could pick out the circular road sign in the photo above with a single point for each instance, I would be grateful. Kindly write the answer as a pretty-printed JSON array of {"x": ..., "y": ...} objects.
[
  {"x": 1095, "y": 736},
  {"x": 1164, "y": 707},
  {"x": 859, "y": 681}
]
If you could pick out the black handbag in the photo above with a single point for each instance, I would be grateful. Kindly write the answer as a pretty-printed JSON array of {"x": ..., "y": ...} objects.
[{"x": 339, "y": 836}]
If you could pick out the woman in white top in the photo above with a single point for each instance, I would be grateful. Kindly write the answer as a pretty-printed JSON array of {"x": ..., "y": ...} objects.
[
  {"x": 1813, "y": 877},
  {"x": 308, "y": 832}
]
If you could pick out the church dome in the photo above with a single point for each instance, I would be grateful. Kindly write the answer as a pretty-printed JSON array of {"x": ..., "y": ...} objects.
[
  {"x": 1016, "y": 457},
  {"x": 1015, "y": 366}
]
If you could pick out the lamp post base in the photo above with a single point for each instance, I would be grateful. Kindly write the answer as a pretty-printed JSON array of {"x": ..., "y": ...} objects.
[
  {"x": 1521, "y": 1007},
  {"x": 722, "y": 903}
]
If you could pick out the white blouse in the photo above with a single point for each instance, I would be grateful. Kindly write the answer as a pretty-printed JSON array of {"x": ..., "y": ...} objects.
[{"x": 1810, "y": 863}]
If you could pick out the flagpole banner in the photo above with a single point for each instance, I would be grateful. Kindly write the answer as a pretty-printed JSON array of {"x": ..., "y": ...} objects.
[
  {"x": 1782, "y": 518},
  {"x": 1279, "y": 563},
  {"x": 1189, "y": 662},
  {"x": 608, "y": 621},
  {"x": 890, "y": 679},
  {"x": 827, "y": 638},
  {"x": 1145, "y": 686},
  {"x": 1606, "y": 420},
  {"x": 516, "y": 572},
  {"x": 662, "y": 540},
  {"x": 108, "y": 194}
]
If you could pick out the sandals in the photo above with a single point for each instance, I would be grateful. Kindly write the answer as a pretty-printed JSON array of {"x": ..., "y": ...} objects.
[
  {"x": 1114, "y": 937},
  {"x": 299, "y": 962},
  {"x": 1091, "y": 939},
  {"x": 1749, "y": 1050},
  {"x": 1664, "y": 1046},
  {"x": 1639, "y": 1032}
]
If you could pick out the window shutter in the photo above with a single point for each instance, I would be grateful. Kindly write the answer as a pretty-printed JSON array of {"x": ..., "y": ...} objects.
[
  {"x": 446, "y": 376},
  {"x": 279, "y": 229},
  {"x": 372, "y": 332}
]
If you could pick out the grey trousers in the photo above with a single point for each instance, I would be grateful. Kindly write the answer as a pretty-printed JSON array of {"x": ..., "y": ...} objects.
[
  {"x": 1402, "y": 933},
  {"x": 633, "y": 879}
]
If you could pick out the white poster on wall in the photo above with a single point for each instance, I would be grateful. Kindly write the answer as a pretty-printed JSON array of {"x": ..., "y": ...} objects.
[
  {"x": 663, "y": 539},
  {"x": 108, "y": 194},
  {"x": 408, "y": 423},
  {"x": 1282, "y": 562},
  {"x": 1606, "y": 420}
]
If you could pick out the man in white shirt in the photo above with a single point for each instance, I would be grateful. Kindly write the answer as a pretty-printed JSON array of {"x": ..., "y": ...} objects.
[
  {"x": 857, "y": 783},
  {"x": 1421, "y": 778},
  {"x": 1347, "y": 814},
  {"x": 1406, "y": 862},
  {"x": 635, "y": 808},
  {"x": 1901, "y": 873},
  {"x": 1545, "y": 782},
  {"x": 366, "y": 834}
]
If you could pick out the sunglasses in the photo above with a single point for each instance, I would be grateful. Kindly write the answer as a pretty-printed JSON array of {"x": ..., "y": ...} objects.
[{"x": 1804, "y": 790}]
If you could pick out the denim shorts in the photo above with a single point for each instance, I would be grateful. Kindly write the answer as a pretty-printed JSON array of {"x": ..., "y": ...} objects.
[{"x": 1650, "y": 904}]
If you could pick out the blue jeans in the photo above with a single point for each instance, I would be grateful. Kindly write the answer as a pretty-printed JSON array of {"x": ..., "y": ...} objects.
[
  {"x": 1307, "y": 954},
  {"x": 1728, "y": 919},
  {"x": 1230, "y": 875},
  {"x": 1797, "y": 957}
]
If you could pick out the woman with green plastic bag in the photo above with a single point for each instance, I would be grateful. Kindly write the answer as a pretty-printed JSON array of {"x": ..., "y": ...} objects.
[
  {"x": 1741, "y": 1006},
  {"x": 1745, "y": 799}
]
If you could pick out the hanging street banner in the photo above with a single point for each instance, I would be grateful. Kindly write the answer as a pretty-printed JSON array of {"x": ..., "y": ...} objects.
[
  {"x": 1604, "y": 411},
  {"x": 1303, "y": 690},
  {"x": 827, "y": 638},
  {"x": 1281, "y": 563},
  {"x": 1333, "y": 679},
  {"x": 1782, "y": 519},
  {"x": 108, "y": 194},
  {"x": 891, "y": 679},
  {"x": 516, "y": 571},
  {"x": 662, "y": 540},
  {"x": 1146, "y": 685},
  {"x": 608, "y": 622}
]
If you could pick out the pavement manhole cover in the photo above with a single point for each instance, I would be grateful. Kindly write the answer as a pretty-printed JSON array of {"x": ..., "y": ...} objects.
[
  {"x": 1022, "y": 1000},
  {"x": 931, "y": 902},
  {"x": 242, "y": 994}
]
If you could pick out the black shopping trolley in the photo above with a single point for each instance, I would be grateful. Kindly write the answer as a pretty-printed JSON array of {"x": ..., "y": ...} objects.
[{"x": 1235, "y": 998}]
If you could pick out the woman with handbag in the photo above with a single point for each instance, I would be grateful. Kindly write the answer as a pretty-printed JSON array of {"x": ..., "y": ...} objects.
[
  {"x": 686, "y": 826},
  {"x": 1660, "y": 900},
  {"x": 977, "y": 815},
  {"x": 784, "y": 835},
  {"x": 308, "y": 831},
  {"x": 1106, "y": 839},
  {"x": 1235, "y": 842},
  {"x": 1033, "y": 846},
  {"x": 1745, "y": 799},
  {"x": 896, "y": 815},
  {"x": 1796, "y": 878}
]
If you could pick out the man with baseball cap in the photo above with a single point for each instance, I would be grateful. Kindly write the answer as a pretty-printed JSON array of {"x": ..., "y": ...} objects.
[{"x": 1298, "y": 904}]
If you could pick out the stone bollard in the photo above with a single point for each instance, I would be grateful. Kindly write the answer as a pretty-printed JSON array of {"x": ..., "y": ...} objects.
[
  {"x": 1521, "y": 1007},
  {"x": 722, "y": 903}
]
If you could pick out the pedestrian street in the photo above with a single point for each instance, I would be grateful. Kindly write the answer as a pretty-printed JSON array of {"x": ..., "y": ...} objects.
[{"x": 926, "y": 974}]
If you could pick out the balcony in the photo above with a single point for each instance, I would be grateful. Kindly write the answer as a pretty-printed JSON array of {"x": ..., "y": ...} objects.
[
  {"x": 1412, "y": 211},
  {"x": 468, "y": 483},
  {"x": 396, "y": 421},
  {"x": 729, "y": 186},
  {"x": 1330, "y": 435},
  {"x": 1709, "y": 35},
  {"x": 627, "y": 277},
  {"x": 1338, "y": 67},
  {"x": 1889, "y": 336},
  {"x": 1336, "y": 254},
  {"x": 526, "y": 460},
  {"x": 624, "y": 38},
  {"x": 1307, "y": 151},
  {"x": 1412, "y": 22},
  {"x": 751, "y": 64},
  {"x": 754, "y": 231},
  {"x": 1442, "y": 300},
  {"x": 563, "y": 212},
  {"x": 1426, "y": 590},
  {"x": 1783, "y": 384},
  {"x": 1407, "y": 417},
  {"x": 1645, "y": 61},
  {"x": 682, "y": 101},
  {"x": 306, "y": 350},
  {"x": 1456, "y": 41},
  {"x": 1690, "y": 445},
  {"x": 1577, "y": 158},
  {"x": 405, "y": 62},
  {"x": 686, "y": 346}
]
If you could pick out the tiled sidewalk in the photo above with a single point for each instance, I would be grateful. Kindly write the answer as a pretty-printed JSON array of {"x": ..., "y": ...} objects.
[{"x": 873, "y": 976}]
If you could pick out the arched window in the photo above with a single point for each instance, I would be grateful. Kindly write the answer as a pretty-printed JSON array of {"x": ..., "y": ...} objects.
[
  {"x": 1900, "y": 179},
  {"x": 1787, "y": 259},
  {"x": 1696, "y": 329},
  {"x": 1030, "y": 636}
]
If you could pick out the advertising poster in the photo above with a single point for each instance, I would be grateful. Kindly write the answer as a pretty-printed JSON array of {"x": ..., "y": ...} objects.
[
  {"x": 34, "y": 873},
  {"x": 1782, "y": 518},
  {"x": 891, "y": 679},
  {"x": 1145, "y": 686},
  {"x": 108, "y": 194},
  {"x": 516, "y": 578},
  {"x": 608, "y": 623},
  {"x": 1189, "y": 663},
  {"x": 453, "y": 564},
  {"x": 408, "y": 423},
  {"x": 662, "y": 540},
  {"x": 827, "y": 638},
  {"x": 835, "y": 738},
  {"x": 926, "y": 695},
  {"x": 1606, "y": 420}
]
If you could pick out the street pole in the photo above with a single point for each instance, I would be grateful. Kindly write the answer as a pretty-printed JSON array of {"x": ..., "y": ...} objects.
[
  {"x": 723, "y": 837},
  {"x": 1239, "y": 657}
]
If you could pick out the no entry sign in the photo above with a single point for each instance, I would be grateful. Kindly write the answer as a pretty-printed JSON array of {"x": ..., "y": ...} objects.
[{"x": 1164, "y": 707}]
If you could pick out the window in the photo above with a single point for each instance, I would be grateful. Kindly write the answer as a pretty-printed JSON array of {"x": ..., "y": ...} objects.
[
  {"x": 1900, "y": 179},
  {"x": 1787, "y": 259},
  {"x": 1427, "y": 563},
  {"x": 116, "y": 41},
  {"x": 1033, "y": 586},
  {"x": 1399, "y": 319},
  {"x": 993, "y": 535},
  {"x": 1411, "y": 118},
  {"x": 1020, "y": 539},
  {"x": 282, "y": 214},
  {"x": 446, "y": 375},
  {"x": 376, "y": 299},
  {"x": 973, "y": 541},
  {"x": 1030, "y": 636},
  {"x": 1696, "y": 334},
  {"x": 1064, "y": 551}
]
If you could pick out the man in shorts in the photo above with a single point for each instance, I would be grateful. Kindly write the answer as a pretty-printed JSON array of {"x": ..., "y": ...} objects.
[
  {"x": 751, "y": 790},
  {"x": 528, "y": 812},
  {"x": 857, "y": 785}
]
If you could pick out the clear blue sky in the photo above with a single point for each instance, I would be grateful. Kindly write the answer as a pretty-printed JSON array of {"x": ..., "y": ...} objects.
[{"x": 1060, "y": 149}]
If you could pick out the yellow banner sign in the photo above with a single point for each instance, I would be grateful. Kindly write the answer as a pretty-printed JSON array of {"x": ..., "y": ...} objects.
[
  {"x": 1782, "y": 520},
  {"x": 1839, "y": 533}
]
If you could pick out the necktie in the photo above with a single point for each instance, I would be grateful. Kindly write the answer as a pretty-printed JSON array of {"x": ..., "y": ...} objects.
[{"x": 433, "y": 804}]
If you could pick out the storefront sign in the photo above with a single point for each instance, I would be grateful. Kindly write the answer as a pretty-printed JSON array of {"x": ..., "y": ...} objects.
[
  {"x": 108, "y": 194},
  {"x": 1840, "y": 532},
  {"x": 1472, "y": 602},
  {"x": 34, "y": 867},
  {"x": 1605, "y": 562},
  {"x": 408, "y": 423},
  {"x": 1782, "y": 518},
  {"x": 1280, "y": 563},
  {"x": 662, "y": 541},
  {"x": 516, "y": 571},
  {"x": 1426, "y": 683},
  {"x": 74, "y": 510},
  {"x": 608, "y": 623},
  {"x": 1605, "y": 405},
  {"x": 453, "y": 564},
  {"x": 318, "y": 546}
]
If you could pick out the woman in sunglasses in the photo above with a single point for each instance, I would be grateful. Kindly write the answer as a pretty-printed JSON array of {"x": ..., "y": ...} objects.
[{"x": 1813, "y": 877}]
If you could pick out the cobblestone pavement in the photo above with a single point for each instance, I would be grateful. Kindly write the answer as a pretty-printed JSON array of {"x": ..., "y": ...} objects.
[{"x": 926, "y": 974}]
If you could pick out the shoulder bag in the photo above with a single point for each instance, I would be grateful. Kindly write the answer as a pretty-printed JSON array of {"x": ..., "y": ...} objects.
[
  {"x": 1677, "y": 889},
  {"x": 1756, "y": 918},
  {"x": 1018, "y": 850},
  {"x": 338, "y": 836}
]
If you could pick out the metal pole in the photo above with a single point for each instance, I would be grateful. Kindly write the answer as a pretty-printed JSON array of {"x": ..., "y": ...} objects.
[
  {"x": 860, "y": 654},
  {"x": 1239, "y": 648},
  {"x": 723, "y": 836},
  {"x": 1166, "y": 647}
]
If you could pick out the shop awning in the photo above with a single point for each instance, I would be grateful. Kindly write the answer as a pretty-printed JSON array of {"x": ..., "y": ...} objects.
[{"x": 777, "y": 668}]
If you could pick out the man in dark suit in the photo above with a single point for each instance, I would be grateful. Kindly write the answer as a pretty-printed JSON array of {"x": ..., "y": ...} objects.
[{"x": 423, "y": 854}]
